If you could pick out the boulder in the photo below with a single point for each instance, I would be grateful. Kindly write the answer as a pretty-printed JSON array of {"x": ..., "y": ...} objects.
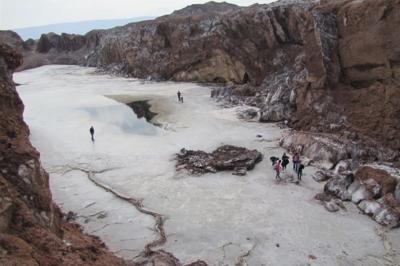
[
  {"x": 390, "y": 201},
  {"x": 248, "y": 114},
  {"x": 321, "y": 176},
  {"x": 387, "y": 217},
  {"x": 226, "y": 157},
  {"x": 331, "y": 206},
  {"x": 354, "y": 186},
  {"x": 370, "y": 207},
  {"x": 361, "y": 194},
  {"x": 372, "y": 176},
  {"x": 385, "y": 211},
  {"x": 337, "y": 187},
  {"x": 373, "y": 187},
  {"x": 330, "y": 203},
  {"x": 343, "y": 167}
]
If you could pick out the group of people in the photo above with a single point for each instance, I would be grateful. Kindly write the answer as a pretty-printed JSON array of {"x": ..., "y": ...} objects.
[{"x": 281, "y": 164}]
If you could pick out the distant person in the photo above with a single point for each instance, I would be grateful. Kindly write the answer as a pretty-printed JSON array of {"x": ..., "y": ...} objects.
[
  {"x": 285, "y": 161},
  {"x": 92, "y": 132},
  {"x": 278, "y": 169},
  {"x": 181, "y": 99},
  {"x": 179, "y": 96},
  {"x": 296, "y": 161},
  {"x": 300, "y": 171}
]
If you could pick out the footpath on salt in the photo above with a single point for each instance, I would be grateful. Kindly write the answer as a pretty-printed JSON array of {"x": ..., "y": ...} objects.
[{"x": 219, "y": 218}]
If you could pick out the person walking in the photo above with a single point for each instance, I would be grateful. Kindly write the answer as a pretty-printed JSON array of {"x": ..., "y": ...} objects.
[
  {"x": 278, "y": 169},
  {"x": 179, "y": 96},
  {"x": 296, "y": 160},
  {"x": 91, "y": 130},
  {"x": 300, "y": 171},
  {"x": 285, "y": 161}
]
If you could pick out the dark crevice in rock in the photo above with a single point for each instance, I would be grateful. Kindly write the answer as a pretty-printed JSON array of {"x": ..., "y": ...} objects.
[{"x": 365, "y": 67}]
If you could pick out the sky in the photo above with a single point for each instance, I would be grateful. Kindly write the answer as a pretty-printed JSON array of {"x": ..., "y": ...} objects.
[{"x": 28, "y": 13}]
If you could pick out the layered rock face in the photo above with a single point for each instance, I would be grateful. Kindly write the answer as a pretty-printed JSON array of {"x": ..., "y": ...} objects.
[
  {"x": 366, "y": 98},
  {"x": 32, "y": 228},
  {"x": 324, "y": 66}
]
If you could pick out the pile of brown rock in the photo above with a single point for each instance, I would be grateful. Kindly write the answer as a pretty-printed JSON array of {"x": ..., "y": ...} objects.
[
  {"x": 226, "y": 157},
  {"x": 374, "y": 191}
]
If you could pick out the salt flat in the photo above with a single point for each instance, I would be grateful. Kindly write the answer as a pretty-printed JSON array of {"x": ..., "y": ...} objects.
[{"x": 215, "y": 217}]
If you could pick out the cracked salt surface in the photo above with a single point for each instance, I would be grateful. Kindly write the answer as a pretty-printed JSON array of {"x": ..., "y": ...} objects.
[{"x": 220, "y": 218}]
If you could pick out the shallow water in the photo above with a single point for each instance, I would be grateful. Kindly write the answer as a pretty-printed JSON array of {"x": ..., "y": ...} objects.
[{"x": 122, "y": 117}]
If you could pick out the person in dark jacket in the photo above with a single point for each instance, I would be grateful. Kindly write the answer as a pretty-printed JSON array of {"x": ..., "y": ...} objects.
[
  {"x": 285, "y": 161},
  {"x": 300, "y": 171},
  {"x": 91, "y": 130},
  {"x": 179, "y": 96}
]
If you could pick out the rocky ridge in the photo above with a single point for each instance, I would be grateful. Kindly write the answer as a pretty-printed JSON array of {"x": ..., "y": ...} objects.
[
  {"x": 33, "y": 231},
  {"x": 373, "y": 190},
  {"x": 329, "y": 69},
  {"x": 305, "y": 62}
]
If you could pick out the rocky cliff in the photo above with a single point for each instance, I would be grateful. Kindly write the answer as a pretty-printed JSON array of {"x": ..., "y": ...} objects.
[
  {"x": 323, "y": 66},
  {"x": 33, "y": 231}
]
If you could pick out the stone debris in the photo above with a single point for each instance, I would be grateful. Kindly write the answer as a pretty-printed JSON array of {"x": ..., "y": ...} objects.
[
  {"x": 321, "y": 176},
  {"x": 372, "y": 190},
  {"x": 226, "y": 157}
]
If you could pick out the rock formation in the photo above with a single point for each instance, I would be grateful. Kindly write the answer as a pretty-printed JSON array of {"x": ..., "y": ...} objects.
[
  {"x": 307, "y": 62},
  {"x": 371, "y": 189},
  {"x": 32, "y": 228},
  {"x": 224, "y": 158}
]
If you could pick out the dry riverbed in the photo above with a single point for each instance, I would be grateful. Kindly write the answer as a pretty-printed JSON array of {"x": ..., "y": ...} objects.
[{"x": 124, "y": 187}]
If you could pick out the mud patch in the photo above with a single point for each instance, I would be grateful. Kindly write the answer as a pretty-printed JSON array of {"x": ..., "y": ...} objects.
[{"x": 142, "y": 109}]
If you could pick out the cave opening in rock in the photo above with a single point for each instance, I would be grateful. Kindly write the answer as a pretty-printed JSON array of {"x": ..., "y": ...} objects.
[
  {"x": 246, "y": 78},
  {"x": 219, "y": 80}
]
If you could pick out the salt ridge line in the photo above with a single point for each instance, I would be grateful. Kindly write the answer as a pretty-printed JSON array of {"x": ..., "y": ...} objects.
[
  {"x": 159, "y": 219},
  {"x": 147, "y": 255}
]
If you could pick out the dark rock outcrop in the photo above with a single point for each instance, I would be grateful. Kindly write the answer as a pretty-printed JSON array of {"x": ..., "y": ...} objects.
[
  {"x": 224, "y": 158},
  {"x": 371, "y": 189},
  {"x": 32, "y": 228}
]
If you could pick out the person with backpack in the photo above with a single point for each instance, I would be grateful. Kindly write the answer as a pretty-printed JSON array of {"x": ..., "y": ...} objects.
[
  {"x": 278, "y": 169},
  {"x": 285, "y": 161}
]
